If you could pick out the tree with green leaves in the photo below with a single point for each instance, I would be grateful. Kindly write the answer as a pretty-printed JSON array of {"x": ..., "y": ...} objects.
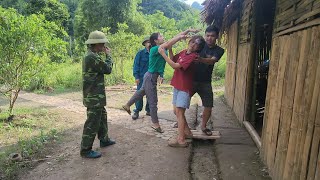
[
  {"x": 26, "y": 45},
  {"x": 53, "y": 11},
  {"x": 170, "y": 8}
]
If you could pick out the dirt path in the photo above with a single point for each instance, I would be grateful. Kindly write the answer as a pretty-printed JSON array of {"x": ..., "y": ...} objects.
[{"x": 140, "y": 153}]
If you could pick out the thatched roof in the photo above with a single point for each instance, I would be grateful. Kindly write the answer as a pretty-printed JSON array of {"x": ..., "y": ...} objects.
[{"x": 221, "y": 13}]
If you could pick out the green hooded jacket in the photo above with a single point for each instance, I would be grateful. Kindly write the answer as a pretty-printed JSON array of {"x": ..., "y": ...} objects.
[{"x": 93, "y": 70}]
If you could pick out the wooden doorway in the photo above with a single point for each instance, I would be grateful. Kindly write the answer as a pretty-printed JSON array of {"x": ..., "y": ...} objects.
[{"x": 264, "y": 19}]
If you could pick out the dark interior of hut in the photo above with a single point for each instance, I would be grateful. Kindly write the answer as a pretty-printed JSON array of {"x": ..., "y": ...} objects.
[{"x": 264, "y": 24}]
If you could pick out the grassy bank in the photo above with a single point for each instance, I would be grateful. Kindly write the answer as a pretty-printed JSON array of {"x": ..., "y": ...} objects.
[{"x": 29, "y": 134}]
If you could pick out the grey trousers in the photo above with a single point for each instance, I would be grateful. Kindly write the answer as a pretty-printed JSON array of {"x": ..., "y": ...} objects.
[{"x": 149, "y": 88}]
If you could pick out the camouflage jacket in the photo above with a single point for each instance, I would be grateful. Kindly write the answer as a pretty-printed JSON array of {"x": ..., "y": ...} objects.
[{"x": 93, "y": 70}]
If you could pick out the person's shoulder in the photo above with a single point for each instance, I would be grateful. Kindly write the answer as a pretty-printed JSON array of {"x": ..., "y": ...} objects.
[
  {"x": 183, "y": 51},
  {"x": 90, "y": 55},
  {"x": 154, "y": 49}
]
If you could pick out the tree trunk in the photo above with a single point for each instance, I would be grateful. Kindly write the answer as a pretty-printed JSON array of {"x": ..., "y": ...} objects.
[{"x": 13, "y": 97}]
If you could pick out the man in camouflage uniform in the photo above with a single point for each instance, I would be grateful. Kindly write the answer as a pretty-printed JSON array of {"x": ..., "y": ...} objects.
[{"x": 94, "y": 96}]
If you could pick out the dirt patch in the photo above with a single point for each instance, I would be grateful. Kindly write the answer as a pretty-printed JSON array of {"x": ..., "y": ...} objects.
[
  {"x": 135, "y": 156},
  {"x": 140, "y": 153}
]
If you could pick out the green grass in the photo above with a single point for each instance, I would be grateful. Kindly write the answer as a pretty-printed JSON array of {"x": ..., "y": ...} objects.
[
  {"x": 216, "y": 83},
  {"x": 219, "y": 93},
  {"x": 220, "y": 67},
  {"x": 30, "y": 149},
  {"x": 29, "y": 133}
]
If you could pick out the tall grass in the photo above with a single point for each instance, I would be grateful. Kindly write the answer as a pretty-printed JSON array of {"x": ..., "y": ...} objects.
[{"x": 220, "y": 68}]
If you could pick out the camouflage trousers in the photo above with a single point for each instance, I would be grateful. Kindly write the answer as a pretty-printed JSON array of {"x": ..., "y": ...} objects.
[{"x": 96, "y": 123}]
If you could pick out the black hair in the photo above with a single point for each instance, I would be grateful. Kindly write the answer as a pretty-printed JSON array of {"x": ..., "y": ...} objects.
[
  {"x": 153, "y": 37},
  {"x": 202, "y": 42},
  {"x": 212, "y": 29}
]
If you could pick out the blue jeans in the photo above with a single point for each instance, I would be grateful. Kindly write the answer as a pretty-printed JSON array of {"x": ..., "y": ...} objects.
[{"x": 139, "y": 104}]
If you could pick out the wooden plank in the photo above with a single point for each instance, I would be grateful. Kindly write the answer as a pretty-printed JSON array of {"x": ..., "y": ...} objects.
[
  {"x": 314, "y": 148},
  {"x": 317, "y": 176},
  {"x": 232, "y": 63},
  {"x": 287, "y": 102},
  {"x": 200, "y": 135},
  {"x": 299, "y": 27},
  {"x": 314, "y": 151},
  {"x": 294, "y": 16},
  {"x": 314, "y": 59},
  {"x": 295, "y": 12},
  {"x": 239, "y": 100},
  {"x": 270, "y": 98},
  {"x": 285, "y": 5},
  {"x": 305, "y": 106},
  {"x": 297, "y": 107},
  {"x": 308, "y": 15},
  {"x": 275, "y": 111}
]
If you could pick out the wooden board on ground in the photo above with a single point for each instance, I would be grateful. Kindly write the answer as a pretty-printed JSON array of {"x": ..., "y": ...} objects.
[{"x": 198, "y": 134}]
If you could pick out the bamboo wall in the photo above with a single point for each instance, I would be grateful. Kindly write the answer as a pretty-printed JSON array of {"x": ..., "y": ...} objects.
[
  {"x": 238, "y": 68},
  {"x": 239, "y": 104},
  {"x": 291, "y": 132},
  {"x": 232, "y": 50},
  {"x": 294, "y": 12}
]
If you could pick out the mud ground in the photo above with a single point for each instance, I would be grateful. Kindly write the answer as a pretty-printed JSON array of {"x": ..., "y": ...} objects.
[{"x": 141, "y": 153}]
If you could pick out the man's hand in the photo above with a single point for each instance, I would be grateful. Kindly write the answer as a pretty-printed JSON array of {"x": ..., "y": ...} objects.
[
  {"x": 183, "y": 37},
  {"x": 194, "y": 30},
  {"x": 137, "y": 81},
  {"x": 107, "y": 50},
  {"x": 197, "y": 60}
]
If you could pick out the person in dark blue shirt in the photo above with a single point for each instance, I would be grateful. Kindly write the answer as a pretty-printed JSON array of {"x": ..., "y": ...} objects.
[{"x": 140, "y": 67}]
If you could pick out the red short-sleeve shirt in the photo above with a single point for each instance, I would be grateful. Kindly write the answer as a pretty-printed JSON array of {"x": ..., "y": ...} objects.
[{"x": 183, "y": 77}]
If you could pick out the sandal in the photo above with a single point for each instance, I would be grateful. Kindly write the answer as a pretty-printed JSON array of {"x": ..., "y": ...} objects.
[
  {"x": 188, "y": 136},
  {"x": 207, "y": 132},
  {"x": 126, "y": 108},
  {"x": 175, "y": 143},
  {"x": 158, "y": 129}
]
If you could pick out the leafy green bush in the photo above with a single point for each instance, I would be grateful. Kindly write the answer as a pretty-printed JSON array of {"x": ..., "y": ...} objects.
[{"x": 220, "y": 67}]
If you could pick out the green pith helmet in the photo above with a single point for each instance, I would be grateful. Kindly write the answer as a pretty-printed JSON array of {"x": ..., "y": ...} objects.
[
  {"x": 145, "y": 39},
  {"x": 96, "y": 37}
]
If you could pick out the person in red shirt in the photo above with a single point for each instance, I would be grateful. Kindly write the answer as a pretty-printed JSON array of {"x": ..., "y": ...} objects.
[{"x": 182, "y": 81}]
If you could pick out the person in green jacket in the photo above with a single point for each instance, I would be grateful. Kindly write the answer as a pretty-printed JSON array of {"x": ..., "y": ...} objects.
[{"x": 94, "y": 96}]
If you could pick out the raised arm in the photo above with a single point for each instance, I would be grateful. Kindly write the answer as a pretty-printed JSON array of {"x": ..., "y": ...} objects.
[
  {"x": 178, "y": 37},
  {"x": 168, "y": 60},
  {"x": 209, "y": 61}
]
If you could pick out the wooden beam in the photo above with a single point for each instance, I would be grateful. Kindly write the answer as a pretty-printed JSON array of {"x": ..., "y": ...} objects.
[{"x": 299, "y": 27}]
